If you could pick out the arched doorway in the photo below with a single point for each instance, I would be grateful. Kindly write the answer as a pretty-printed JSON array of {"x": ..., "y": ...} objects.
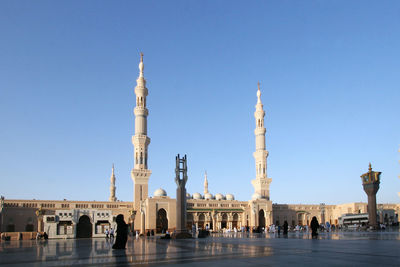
[
  {"x": 300, "y": 219},
  {"x": 224, "y": 221},
  {"x": 189, "y": 221},
  {"x": 235, "y": 221},
  {"x": 261, "y": 218},
  {"x": 162, "y": 221},
  {"x": 84, "y": 227},
  {"x": 201, "y": 221}
]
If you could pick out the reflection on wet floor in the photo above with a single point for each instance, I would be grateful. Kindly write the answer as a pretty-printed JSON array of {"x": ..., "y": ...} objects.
[
  {"x": 337, "y": 235},
  {"x": 218, "y": 247}
]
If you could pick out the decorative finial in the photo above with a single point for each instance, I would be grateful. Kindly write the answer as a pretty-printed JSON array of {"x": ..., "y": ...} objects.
[
  {"x": 369, "y": 167},
  {"x": 141, "y": 65},
  {"x": 113, "y": 168},
  {"x": 258, "y": 93}
]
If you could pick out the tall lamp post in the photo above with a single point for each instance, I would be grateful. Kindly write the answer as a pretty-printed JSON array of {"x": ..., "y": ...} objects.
[
  {"x": 180, "y": 180},
  {"x": 1, "y": 213},
  {"x": 370, "y": 181}
]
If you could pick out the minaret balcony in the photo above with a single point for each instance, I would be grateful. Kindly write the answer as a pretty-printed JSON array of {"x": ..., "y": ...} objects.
[
  {"x": 259, "y": 114},
  {"x": 141, "y": 90},
  {"x": 141, "y": 111},
  {"x": 139, "y": 139},
  {"x": 260, "y": 131},
  {"x": 260, "y": 154}
]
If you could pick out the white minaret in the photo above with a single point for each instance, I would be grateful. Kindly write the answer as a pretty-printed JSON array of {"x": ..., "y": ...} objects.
[
  {"x": 205, "y": 183},
  {"x": 140, "y": 174},
  {"x": 112, "y": 186},
  {"x": 261, "y": 183}
]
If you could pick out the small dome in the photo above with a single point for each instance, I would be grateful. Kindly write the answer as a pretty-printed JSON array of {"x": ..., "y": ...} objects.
[
  {"x": 256, "y": 196},
  {"x": 188, "y": 196},
  {"x": 160, "y": 193},
  {"x": 197, "y": 196},
  {"x": 219, "y": 196},
  {"x": 208, "y": 196},
  {"x": 230, "y": 197}
]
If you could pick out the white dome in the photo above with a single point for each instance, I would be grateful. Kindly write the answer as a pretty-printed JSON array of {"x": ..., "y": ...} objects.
[
  {"x": 188, "y": 196},
  {"x": 160, "y": 193},
  {"x": 219, "y": 196},
  {"x": 256, "y": 196},
  {"x": 230, "y": 197},
  {"x": 208, "y": 196},
  {"x": 197, "y": 196}
]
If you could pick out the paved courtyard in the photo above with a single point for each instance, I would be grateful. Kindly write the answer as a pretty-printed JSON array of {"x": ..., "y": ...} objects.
[{"x": 341, "y": 249}]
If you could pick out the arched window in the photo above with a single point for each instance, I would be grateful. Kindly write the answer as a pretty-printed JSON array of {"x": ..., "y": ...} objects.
[{"x": 141, "y": 157}]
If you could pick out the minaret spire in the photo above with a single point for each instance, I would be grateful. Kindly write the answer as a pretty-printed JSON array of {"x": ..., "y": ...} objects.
[
  {"x": 140, "y": 173},
  {"x": 205, "y": 183},
  {"x": 141, "y": 65},
  {"x": 112, "y": 186},
  {"x": 259, "y": 94},
  {"x": 261, "y": 183}
]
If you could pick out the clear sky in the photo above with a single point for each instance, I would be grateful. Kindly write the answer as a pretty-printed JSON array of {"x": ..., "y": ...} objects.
[{"x": 330, "y": 80}]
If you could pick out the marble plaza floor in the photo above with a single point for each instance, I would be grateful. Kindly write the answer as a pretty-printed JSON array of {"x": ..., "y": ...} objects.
[{"x": 331, "y": 249}]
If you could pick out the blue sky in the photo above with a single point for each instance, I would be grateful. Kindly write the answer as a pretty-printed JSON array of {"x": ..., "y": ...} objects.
[{"x": 329, "y": 73}]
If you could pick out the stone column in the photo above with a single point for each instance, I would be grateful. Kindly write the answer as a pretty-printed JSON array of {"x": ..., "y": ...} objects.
[
  {"x": 40, "y": 224},
  {"x": 214, "y": 223},
  {"x": 142, "y": 222},
  {"x": 322, "y": 208},
  {"x": 39, "y": 213},
  {"x": 142, "y": 218}
]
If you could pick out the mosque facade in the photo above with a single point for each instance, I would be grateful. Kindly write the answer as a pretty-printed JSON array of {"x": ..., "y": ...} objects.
[{"x": 75, "y": 219}]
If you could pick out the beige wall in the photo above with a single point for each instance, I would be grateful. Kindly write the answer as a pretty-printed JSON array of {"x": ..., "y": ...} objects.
[{"x": 219, "y": 213}]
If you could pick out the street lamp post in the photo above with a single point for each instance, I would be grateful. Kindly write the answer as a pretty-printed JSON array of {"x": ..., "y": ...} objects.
[{"x": 371, "y": 181}]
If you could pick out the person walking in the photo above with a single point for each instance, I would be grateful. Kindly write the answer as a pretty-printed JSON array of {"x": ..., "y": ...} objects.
[
  {"x": 285, "y": 228},
  {"x": 314, "y": 227},
  {"x": 122, "y": 233},
  {"x": 106, "y": 232},
  {"x": 111, "y": 233}
]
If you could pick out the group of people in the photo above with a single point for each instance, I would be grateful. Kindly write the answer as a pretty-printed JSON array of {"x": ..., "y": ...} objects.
[
  {"x": 109, "y": 233},
  {"x": 284, "y": 228},
  {"x": 44, "y": 236},
  {"x": 122, "y": 231}
]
